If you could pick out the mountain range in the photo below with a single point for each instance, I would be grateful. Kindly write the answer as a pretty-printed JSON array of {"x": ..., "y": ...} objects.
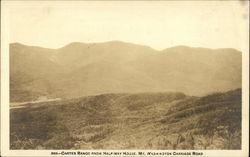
[{"x": 82, "y": 69}]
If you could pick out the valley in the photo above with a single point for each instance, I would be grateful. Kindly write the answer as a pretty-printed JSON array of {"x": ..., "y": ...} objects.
[
  {"x": 118, "y": 95},
  {"x": 130, "y": 121}
]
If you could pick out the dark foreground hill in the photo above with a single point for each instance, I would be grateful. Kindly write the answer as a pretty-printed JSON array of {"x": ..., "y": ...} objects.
[
  {"x": 130, "y": 121},
  {"x": 80, "y": 69}
]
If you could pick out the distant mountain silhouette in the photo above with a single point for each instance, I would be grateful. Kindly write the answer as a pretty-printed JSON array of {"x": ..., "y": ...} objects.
[{"x": 81, "y": 69}]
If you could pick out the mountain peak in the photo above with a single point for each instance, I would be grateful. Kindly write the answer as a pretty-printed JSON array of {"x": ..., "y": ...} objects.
[
  {"x": 16, "y": 44},
  {"x": 73, "y": 44}
]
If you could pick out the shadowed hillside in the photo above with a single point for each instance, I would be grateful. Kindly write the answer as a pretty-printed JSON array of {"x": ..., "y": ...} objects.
[
  {"x": 130, "y": 121},
  {"x": 81, "y": 69}
]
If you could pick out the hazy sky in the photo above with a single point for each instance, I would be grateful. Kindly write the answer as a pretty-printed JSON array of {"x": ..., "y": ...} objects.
[{"x": 216, "y": 24}]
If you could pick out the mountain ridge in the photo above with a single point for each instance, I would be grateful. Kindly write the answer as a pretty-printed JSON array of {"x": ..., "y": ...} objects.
[
  {"x": 81, "y": 69},
  {"x": 119, "y": 41},
  {"x": 155, "y": 121}
]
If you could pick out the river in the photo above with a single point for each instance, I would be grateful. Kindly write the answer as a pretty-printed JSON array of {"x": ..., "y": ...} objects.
[{"x": 24, "y": 104}]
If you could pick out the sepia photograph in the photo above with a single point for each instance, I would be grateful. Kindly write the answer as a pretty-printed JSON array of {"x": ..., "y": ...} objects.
[{"x": 125, "y": 76}]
